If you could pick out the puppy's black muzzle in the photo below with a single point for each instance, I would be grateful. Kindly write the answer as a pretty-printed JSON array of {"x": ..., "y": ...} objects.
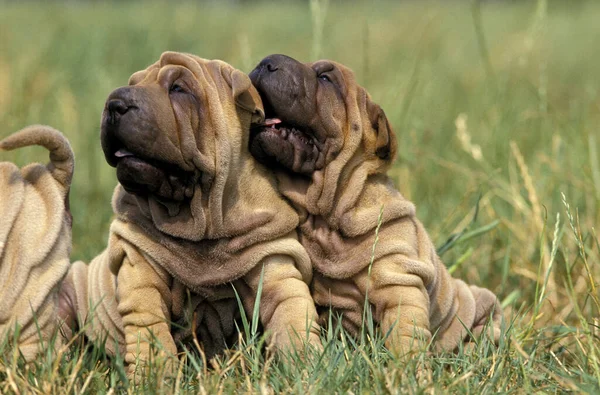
[
  {"x": 119, "y": 103},
  {"x": 276, "y": 70},
  {"x": 116, "y": 108},
  {"x": 115, "y": 121},
  {"x": 272, "y": 64},
  {"x": 287, "y": 88}
]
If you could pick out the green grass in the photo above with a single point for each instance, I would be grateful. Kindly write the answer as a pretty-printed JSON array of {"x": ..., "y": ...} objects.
[{"x": 500, "y": 101}]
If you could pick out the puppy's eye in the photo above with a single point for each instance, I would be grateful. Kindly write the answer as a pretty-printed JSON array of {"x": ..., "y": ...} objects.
[
  {"x": 324, "y": 77},
  {"x": 176, "y": 89}
]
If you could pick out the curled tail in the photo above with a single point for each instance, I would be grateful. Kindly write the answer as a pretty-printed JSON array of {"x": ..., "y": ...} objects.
[{"x": 62, "y": 159}]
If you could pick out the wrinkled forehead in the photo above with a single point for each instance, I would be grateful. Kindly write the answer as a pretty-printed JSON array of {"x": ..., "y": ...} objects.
[{"x": 173, "y": 65}]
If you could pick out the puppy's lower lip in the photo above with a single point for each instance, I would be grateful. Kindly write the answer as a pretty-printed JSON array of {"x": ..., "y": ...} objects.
[{"x": 122, "y": 153}]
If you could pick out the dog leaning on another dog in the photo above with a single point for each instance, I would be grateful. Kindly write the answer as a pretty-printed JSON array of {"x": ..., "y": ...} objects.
[
  {"x": 195, "y": 213},
  {"x": 331, "y": 146},
  {"x": 35, "y": 239}
]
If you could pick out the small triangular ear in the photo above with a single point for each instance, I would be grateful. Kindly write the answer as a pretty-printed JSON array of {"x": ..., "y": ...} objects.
[
  {"x": 246, "y": 96},
  {"x": 385, "y": 143}
]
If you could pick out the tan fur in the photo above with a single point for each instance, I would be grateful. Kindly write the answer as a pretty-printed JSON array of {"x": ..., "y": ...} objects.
[
  {"x": 35, "y": 238},
  {"x": 169, "y": 269},
  {"x": 409, "y": 289}
]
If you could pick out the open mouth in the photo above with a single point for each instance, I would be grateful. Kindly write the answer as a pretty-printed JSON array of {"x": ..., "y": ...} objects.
[
  {"x": 276, "y": 142},
  {"x": 143, "y": 176},
  {"x": 287, "y": 131}
]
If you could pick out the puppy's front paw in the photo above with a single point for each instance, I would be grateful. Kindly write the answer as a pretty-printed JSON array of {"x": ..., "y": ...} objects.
[{"x": 161, "y": 366}]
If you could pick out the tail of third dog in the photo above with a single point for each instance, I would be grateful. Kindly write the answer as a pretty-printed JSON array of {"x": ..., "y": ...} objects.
[{"x": 62, "y": 159}]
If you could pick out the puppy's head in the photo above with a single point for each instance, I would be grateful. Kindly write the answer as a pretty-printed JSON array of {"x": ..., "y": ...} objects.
[
  {"x": 160, "y": 132},
  {"x": 313, "y": 112}
]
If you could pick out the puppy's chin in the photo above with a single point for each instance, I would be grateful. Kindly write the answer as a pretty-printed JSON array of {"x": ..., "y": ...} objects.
[
  {"x": 287, "y": 148},
  {"x": 142, "y": 178}
]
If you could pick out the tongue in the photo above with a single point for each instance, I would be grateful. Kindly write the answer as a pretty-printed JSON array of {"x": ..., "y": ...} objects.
[
  {"x": 123, "y": 153},
  {"x": 272, "y": 121}
]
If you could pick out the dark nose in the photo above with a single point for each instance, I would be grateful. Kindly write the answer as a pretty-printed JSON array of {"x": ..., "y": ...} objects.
[
  {"x": 269, "y": 65},
  {"x": 117, "y": 107},
  {"x": 119, "y": 102},
  {"x": 274, "y": 62}
]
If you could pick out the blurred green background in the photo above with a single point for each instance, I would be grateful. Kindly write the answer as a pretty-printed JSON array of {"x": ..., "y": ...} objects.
[{"x": 494, "y": 98}]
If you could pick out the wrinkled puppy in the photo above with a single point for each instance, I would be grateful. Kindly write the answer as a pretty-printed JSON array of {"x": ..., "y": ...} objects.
[
  {"x": 332, "y": 146},
  {"x": 194, "y": 213},
  {"x": 35, "y": 238}
]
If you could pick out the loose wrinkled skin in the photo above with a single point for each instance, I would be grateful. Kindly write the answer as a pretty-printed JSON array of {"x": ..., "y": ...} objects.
[
  {"x": 35, "y": 239},
  {"x": 195, "y": 214},
  {"x": 331, "y": 146}
]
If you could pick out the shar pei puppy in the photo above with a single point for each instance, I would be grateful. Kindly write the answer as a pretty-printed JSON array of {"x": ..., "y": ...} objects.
[
  {"x": 331, "y": 146},
  {"x": 35, "y": 239},
  {"x": 195, "y": 214}
]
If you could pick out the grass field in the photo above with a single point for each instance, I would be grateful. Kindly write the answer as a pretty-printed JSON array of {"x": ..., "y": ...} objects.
[{"x": 499, "y": 100}]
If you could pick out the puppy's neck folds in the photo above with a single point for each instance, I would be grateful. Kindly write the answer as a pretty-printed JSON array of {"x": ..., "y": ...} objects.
[{"x": 357, "y": 198}]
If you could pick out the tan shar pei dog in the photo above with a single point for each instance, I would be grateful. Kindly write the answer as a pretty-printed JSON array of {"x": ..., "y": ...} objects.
[
  {"x": 333, "y": 145},
  {"x": 35, "y": 239},
  {"x": 195, "y": 214}
]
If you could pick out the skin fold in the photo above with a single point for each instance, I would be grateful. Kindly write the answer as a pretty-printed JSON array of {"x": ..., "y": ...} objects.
[
  {"x": 331, "y": 146},
  {"x": 196, "y": 216},
  {"x": 35, "y": 239}
]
